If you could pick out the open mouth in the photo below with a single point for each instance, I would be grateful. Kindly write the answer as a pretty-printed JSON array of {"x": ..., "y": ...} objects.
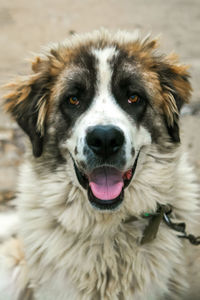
[{"x": 105, "y": 185}]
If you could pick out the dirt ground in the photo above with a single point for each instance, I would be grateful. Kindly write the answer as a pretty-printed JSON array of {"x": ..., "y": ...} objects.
[{"x": 27, "y": 25}]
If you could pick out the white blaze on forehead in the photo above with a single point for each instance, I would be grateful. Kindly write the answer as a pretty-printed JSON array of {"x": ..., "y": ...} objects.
[
  {"x": 104, "y": 72},
  {"x": 104, "y": 109}
]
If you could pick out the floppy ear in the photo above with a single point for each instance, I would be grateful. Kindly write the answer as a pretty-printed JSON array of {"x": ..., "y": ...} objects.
[
  {"x": 176, "y": 89},
  {"x": 28, "y": 104}
]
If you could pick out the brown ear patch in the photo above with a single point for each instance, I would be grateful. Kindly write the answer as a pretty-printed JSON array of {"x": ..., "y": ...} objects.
[
  {"x": 169, "y": 108},
  {"x": 20, "y": 101},
  {"x": 176, "y": 90},
  {"x": 31, "y": 95},
  {"x": 28, "y": 103}
]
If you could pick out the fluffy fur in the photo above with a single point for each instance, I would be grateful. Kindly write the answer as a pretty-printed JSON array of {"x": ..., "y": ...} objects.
[{"x": 72, "y": 249}]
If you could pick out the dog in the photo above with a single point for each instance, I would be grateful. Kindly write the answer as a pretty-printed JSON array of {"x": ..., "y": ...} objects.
[{"x": 101, "y": 115}]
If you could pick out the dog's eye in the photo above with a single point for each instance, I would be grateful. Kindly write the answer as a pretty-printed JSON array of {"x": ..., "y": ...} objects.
[
  {"x": 133, "y": 99},
  {"x": 74, "y": 100}
]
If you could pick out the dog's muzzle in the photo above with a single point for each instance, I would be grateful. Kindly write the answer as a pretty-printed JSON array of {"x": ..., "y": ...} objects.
[{"x": 106, "y": 183}]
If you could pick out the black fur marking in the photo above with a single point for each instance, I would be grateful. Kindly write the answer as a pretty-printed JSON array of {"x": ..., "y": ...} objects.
[
  {"x": 174, "y": 131},
  {"x": 80, "y": 84},
  {"x": 132, "y": 151},
  {"x": 127, "y": 82},
  {"x": 26, "y": 114},
  {"x": 76, "y": 150}
]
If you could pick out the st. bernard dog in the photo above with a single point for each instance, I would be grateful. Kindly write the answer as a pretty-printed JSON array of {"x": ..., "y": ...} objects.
[{"x": 101, "y": 113}]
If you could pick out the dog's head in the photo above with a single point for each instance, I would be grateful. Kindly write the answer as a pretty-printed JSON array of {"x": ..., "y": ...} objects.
[{"x": 98, "y": 100}]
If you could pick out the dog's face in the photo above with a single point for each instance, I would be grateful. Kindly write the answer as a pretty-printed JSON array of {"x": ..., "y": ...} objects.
[{"x": 98, "y": 101}]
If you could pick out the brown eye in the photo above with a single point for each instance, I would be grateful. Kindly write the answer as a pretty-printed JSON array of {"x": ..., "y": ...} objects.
[
  {"x": 133, "y": 99},
  {"x": 74, "y": 100}
]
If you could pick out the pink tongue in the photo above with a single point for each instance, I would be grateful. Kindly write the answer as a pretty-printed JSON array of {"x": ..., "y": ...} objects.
[{"x": 106, "y": 183}]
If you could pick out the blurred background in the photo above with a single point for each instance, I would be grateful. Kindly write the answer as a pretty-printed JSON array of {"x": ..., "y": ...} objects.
[{"x": 27, "y": 25}]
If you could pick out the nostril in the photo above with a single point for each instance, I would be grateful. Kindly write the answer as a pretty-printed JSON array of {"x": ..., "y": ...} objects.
[
  {"x": 97, "y": 142},
  {"x": 93, "y": 142},
  {"x": 114, "y": 145}
]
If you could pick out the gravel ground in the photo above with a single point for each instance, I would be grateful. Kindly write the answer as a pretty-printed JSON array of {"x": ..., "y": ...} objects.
[{"x": 25, "y": 26}]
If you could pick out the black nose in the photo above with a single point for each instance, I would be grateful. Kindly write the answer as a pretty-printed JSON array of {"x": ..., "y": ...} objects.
[{"x": 105, "y": 140}]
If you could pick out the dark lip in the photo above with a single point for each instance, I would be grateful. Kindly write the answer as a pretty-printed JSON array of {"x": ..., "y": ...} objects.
[{"x": 98, "y": 203}]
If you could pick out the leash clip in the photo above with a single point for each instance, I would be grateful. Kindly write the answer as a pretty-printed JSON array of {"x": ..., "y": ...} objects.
[{"x": 180, "y": 227}]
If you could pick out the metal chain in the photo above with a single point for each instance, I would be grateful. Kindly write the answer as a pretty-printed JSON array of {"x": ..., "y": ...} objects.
[{"x": 180, "y": 227}]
